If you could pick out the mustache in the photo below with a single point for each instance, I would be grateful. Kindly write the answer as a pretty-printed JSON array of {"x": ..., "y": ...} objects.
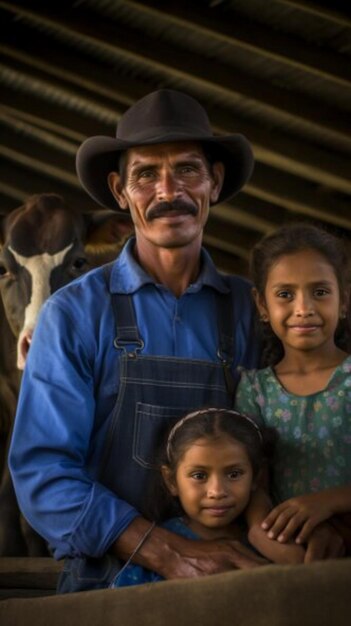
[{"x": 166, "y": 208}]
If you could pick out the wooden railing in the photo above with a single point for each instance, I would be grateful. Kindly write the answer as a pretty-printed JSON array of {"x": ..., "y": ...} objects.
[{"x": 28, "y": 577}]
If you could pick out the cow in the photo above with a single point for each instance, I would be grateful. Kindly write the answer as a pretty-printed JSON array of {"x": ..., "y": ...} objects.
[
  {"x": 44, "y": 244},
  {"x": 9, "y": 382}
]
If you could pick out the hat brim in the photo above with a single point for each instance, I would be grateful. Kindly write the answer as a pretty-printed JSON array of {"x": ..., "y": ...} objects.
[{"x": 98, "y": 156}]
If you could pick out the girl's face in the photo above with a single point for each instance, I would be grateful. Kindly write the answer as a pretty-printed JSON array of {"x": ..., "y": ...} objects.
[
  {"x": 302, "y": 301},
  {"x": 213, "y": 482}
]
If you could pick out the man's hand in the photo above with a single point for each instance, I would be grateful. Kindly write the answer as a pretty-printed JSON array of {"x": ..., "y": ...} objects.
[
  {"x": 173, "y": 556},
  {"x": 202, "y": 558},
  {"x": 297, "y": 515},
  {"x": 324, "y": 543}
]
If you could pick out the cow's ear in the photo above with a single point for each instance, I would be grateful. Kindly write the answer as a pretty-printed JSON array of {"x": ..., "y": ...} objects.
[
  {"x": 106, "y": 227},
  {"x": 2, "y": 228}
]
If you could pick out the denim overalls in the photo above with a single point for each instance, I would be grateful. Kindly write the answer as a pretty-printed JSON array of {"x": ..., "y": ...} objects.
[{"x": 154, "y": 392}]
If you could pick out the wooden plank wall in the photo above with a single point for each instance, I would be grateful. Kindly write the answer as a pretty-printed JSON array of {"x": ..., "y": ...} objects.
[{"x": 28, "y": 577}]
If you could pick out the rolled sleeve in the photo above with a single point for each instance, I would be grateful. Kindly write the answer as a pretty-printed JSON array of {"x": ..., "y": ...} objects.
[{"x": 50, "y": 453}]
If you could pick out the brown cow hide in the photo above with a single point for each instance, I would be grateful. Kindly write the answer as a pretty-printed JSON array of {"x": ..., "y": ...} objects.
[{"x": 102, "y": 235}]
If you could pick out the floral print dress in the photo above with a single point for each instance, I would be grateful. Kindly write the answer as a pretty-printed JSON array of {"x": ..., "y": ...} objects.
[{"x": 314, "y": 447}]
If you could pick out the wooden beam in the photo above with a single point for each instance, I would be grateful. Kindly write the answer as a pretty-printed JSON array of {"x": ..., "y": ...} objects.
[
  {"x": 27, "y": 572},
  {"x": 54, "y": 116},
  {"x": 20, "y": 179},
  {"x": 83, "y": 76},
  {"x": 303, "y": 198},
  {"x": 231, "y": 29},
  {"x": 315, "y": 10},
  {"x": 55, "y": 93},
  {"x": 277, "y": 150},
  {"x": 119, "y": 41}
]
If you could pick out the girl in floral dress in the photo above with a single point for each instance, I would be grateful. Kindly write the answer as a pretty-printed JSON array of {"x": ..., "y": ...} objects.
[{"x": 302, "y": 292}]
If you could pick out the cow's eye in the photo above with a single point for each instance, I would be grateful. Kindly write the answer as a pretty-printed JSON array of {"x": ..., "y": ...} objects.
[
  {"x": 3, "y": 271},
  {"x": 79, "y": 263}
]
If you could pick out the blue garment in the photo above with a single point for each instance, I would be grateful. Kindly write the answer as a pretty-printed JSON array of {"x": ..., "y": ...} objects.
[
  {"x": 154, "y": 392},
  {"x": 71, "y": 382},
  {"x": 138, "y": 575}
]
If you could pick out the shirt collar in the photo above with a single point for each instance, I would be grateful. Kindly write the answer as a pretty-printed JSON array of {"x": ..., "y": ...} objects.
[{"x": 128, "y": 276}]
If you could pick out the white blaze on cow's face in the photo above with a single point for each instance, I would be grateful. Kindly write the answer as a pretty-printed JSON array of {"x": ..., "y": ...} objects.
[{"x": 40, "y": 268}]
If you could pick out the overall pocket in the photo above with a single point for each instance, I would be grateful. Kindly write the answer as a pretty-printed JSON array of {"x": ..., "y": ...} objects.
[
  {"x": 82, "y": 574},
  {"x": 151, "y": 425}
]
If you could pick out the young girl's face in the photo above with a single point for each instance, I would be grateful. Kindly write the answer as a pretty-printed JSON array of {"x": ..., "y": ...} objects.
[
  {"x": 302, "y": 301},
  {"x": 213, "y": 482}
]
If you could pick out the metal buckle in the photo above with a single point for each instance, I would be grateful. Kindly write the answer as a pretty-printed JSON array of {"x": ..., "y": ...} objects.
[{"x": 122, "y": 345}]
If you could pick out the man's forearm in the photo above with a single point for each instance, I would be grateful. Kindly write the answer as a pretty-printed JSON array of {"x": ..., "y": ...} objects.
[
  {"x": 173, "y": 556},
  {"x": 159, "y": 548}
]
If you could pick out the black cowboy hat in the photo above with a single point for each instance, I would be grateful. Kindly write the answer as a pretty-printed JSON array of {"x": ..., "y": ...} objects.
[{"x": 162, "y": 116}]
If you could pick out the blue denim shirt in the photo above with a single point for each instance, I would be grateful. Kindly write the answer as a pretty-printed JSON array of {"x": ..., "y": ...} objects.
[{"x": 71, "y": 382}]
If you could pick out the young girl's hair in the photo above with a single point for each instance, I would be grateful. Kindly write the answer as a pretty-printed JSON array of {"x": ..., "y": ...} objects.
[
  {"x": 210, "y": 423},
  {"x": 288, "y": 240}
]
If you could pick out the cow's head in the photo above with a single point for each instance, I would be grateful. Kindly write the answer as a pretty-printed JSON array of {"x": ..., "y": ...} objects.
[{"x": 45, "y": 245}]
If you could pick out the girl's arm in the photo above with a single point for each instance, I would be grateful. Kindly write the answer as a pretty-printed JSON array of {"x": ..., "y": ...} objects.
[
  {"x": 246, "y": 401},
  {"x": 303, "y": 513},
  {"x": 259, "y": 507},
  {"x": 342, "y": 523}
]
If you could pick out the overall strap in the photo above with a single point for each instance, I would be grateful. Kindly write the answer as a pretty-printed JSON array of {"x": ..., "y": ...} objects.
[
  {"x": 127, "y": 332},
  {"x": 225, "y": 327},
  {"x": 226, "y": 330}
]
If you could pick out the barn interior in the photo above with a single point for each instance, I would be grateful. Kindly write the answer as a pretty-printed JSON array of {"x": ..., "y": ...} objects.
[{"x": 278, "y": 72}]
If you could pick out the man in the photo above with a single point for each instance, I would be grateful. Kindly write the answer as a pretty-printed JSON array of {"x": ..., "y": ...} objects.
[{"x": 121, "y": 353}]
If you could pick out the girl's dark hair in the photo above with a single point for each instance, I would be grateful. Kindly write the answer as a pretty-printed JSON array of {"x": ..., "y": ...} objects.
[
  {"x": 211, "y": 423},
  {"x": 288, "y": 240}
]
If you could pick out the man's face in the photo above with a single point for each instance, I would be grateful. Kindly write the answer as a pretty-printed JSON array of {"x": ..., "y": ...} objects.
[{"x": 168, "y": 189}]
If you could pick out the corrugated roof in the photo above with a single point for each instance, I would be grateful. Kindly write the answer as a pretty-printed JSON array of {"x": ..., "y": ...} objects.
[{"x": 277, "y": 71}]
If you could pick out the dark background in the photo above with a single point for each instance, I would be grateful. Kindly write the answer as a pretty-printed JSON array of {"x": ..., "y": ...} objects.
[{"x": 278, "y": 71}]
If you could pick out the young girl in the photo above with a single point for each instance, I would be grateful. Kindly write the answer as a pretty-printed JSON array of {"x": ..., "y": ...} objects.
[
  {"x": 302, "y": 292},
  {"x": 212, "y": 461}
]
